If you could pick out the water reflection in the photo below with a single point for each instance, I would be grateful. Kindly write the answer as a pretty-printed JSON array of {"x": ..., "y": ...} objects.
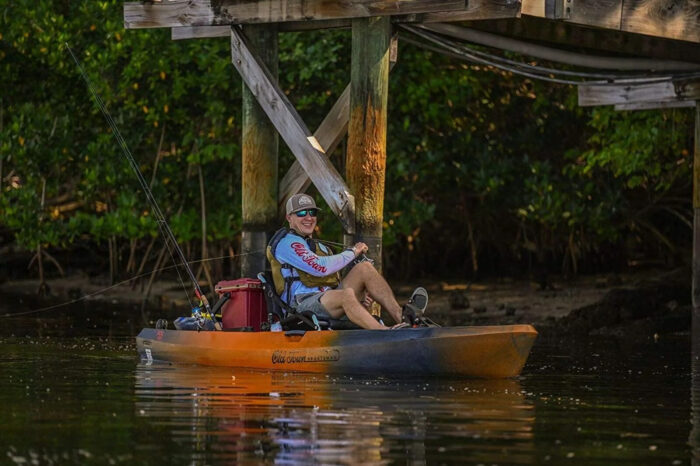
[
  {"x": 240, "y": 415},
  {"x": 694, "y": 439}
]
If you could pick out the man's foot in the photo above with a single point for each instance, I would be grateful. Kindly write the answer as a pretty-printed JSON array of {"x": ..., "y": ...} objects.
[
  {"x": 419, "y": 300},
  {"x": 415, "y": 307}
]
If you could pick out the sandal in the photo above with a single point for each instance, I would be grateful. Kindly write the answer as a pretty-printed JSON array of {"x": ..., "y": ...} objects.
[{"x": 419, "y": 301}]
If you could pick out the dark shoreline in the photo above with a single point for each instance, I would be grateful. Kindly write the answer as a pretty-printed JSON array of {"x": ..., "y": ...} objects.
[{"x": 642, "y": 306}]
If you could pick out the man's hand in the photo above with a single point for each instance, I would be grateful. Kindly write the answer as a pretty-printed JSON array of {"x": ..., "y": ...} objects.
[
  {"x": 360, "y": 248},
  {"x": 367, "y": 302}
]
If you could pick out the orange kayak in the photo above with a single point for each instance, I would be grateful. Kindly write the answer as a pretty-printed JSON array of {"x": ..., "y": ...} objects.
[{"x": 483, "y": 352}]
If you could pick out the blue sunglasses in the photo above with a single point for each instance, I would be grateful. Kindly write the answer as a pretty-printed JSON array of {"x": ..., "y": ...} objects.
[{"x": 302, "y": 213}]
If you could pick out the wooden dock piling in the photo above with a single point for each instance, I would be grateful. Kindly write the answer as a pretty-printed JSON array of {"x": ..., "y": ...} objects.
[
  {"x": 259, "y": 161},
  {"x": 694, "y": 439},
  {"x": 696, "y": 227},
  {"x": 366, "y": 152}
]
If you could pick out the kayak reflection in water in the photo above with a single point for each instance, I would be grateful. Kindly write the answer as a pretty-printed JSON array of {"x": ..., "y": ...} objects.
[{"x": 306, "y": 275}]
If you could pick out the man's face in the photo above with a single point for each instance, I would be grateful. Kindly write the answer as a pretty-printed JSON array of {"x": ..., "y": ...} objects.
[{"x": 304, "y": 225}]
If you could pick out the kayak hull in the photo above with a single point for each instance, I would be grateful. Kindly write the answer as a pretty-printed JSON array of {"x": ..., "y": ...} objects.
[{"x": 483, "y": 352}]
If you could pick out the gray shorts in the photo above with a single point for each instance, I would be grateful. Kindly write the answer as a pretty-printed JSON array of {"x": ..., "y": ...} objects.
[{"x": 311, "y": 302}]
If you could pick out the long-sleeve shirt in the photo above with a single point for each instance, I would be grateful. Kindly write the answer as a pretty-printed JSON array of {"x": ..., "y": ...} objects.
[{"x": 294, "y": 250}]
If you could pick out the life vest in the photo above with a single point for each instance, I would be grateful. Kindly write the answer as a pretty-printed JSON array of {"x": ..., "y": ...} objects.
[{"x": 307, "y": 279}]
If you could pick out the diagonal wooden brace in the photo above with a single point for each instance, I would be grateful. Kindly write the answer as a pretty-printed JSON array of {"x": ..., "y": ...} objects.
[
  {"x": 294, "y": 132},
  {"x": 329, "y": 133}
]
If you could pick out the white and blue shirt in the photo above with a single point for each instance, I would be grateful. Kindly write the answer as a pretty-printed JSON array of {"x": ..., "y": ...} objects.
[{"x": 293, "y": 250}]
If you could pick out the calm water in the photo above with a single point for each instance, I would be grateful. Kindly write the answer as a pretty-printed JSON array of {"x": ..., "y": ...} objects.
[{"x": 72, "y": 391}]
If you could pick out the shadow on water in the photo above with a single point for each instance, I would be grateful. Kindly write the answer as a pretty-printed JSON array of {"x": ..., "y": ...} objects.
[
  {"x": 242, "y": 415},
  {"x": 694, "y": 438}
]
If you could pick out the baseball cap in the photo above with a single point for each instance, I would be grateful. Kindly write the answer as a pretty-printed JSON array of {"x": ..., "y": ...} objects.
[{"x": 300, "y": 202}]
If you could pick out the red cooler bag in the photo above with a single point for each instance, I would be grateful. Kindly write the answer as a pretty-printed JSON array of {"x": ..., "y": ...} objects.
[{"x": 246, "y": 307}]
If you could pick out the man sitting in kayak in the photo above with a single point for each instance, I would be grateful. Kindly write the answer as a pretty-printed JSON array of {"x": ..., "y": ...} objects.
[{"x": 306, "y": 274}]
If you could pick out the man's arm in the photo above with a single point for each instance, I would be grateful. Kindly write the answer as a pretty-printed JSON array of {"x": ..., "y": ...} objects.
[{"x": 294, "y": 251}]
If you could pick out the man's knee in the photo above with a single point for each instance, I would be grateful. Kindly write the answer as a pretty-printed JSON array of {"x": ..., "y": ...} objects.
[{"x": 366, "y": 268}]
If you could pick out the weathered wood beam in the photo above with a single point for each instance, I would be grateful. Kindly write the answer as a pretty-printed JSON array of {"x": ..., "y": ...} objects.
[
  {"x": 675, "y": 19},
  {"x": 655, "y": 105},
  {"x": 199, "y": 32},
  {"x": 330, "y": 132},
  {"x": 178, "y": 13},
  {"x": 696, "y": 231},
  {"x": 258, "y": 161},
  {"x": 291, "y": 127},
  {"x": 672, "y": 19},
  {"x": 583, "y": 38},
  {"x": 204, "y": 32},
  {"x": 366, "y": 152},
  {"x": 475, "y": 10},
  {"x": 636, "y": 91},
  {"x": 695, "y": 290}
]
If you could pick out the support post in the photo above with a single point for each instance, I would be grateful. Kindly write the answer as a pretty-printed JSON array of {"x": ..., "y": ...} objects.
[
  {"x": 696, "y": 222},
  {"x": 366, "y": 151},
  {"x": 291, "y": 127},
  {"x": 259, "y": 161},
  {"x": 694, "y": 440}
]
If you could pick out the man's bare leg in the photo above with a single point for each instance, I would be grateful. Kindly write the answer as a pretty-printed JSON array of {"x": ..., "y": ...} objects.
[
  {"x": 344, "y": 301},
  {"x": 365, "y": 278}
]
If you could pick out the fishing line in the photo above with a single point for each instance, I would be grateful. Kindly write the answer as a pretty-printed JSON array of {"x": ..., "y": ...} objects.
[
  {"x": 100, "y": 291},
  {"x": 160, "y": 269},
  {"x": 170, "y": 240}
]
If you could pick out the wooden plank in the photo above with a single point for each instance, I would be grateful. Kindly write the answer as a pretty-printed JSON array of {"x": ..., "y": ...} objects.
[
  {"x": 177, "y": 13},
  {"x": 533, "y": 8},
  {"x": 330, "y": 132},
  {"x": 637, "y": 91},
  {"x": 696, "y": 227},
  {"x": 258, "y": 161},
  {"x": 600, "y": 13},
  {"x": 366, "y": 154},
  {"x": 291, "y": 127},
  {"x": 199, "y": 32},
  {"x": 676, "y": 19},
  {"x": 205, "y": 32},
  {"x": 655, "y": 105},
  {"x": 673, "y": 19},
  {"x": 623, "y": 93},
  {"x": 475, "y": 10}
]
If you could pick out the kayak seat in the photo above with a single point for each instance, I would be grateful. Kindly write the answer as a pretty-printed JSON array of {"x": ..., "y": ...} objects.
[
  {"x": 290, "y": 319},
  {"x": 287, "y": 316}
]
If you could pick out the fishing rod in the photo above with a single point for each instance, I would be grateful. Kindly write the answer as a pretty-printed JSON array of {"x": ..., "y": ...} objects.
[
  {"x": 163, "y": 226},
  {"x": 335, "y": 245}
]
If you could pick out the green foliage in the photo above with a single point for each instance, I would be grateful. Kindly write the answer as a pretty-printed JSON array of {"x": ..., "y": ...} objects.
[{"x": 494, "y": 168}]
